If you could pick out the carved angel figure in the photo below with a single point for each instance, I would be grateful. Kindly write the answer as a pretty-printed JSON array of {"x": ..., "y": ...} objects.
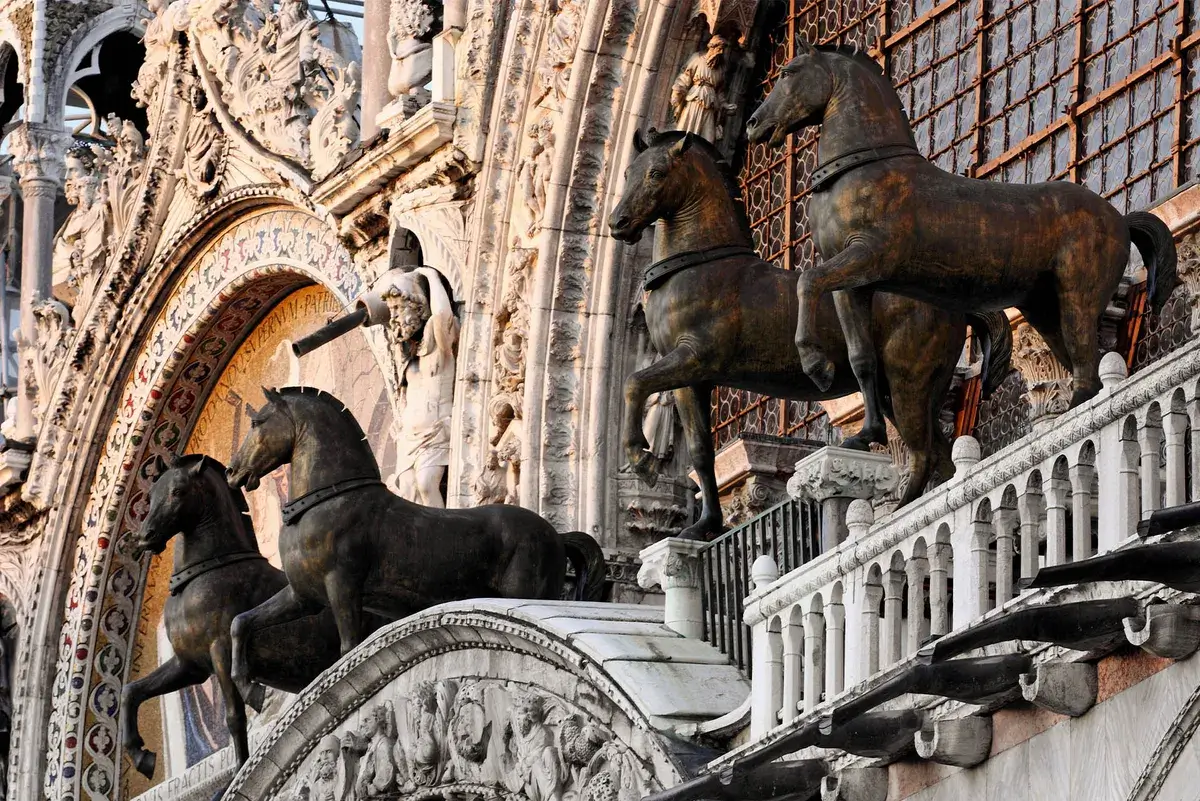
[
  {"x": 537, "y": 770},
  {"x": 423, "y": 328},
  {"x": 697, "y": 96}
]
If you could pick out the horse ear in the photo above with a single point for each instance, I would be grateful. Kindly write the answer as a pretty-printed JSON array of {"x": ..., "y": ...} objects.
[
  {"x": 639, "y": 144},
  {"x": 175, "y": 458},
  {"x": 160, "y": 465},
  {"x": 251, "y": 412},
  {"x": 805, "y": 47},
  {"x": 271, "y": 395},
  {"x": 681, "y": 147}
]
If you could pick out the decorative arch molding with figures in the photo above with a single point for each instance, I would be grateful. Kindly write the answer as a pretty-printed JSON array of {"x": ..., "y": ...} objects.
[{"x": 237, "y": 278}]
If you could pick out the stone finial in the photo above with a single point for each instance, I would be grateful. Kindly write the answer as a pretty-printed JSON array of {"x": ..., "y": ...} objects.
[
  {"x": 965, "y": 454},
  {"x": 1170, "y": 631},
  {"x": 764, "y": 572},
  {"x": 674, "y": 565},
  {"x": 856, "y": 784},
  {"x": 859, "y": 518},
  {"x": 841, "y": 473},
  {"x": 961, "y": 742},
  {"x": 1113, "y": 370},
  {"x": 1065, "y": 688}
]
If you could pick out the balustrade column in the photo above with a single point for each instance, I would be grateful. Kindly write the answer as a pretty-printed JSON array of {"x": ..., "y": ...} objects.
[
  {"x": 1116, "y": 469},
  {"x": 1193, "y": 412},
  {"x": 1029, "y": 507},
  {"x": 1056, "y": 520},
  {"x": 1081, "y": 476},
  {"x": 39, "y": 155},
  {"x": 835, "y": 647},
  {"x": 794, "y": 674},
  {"x": 1004, "y": 555},
  {"x": 766, "y": 688},
  {"x": 918, "y": 628},
  {"x": 1150, "y": 438},
  {"x": 893, "y": 622},
  {"x": 872, "y": 595},
  {"x": 814, "y": 659},
  {"x": 939, "y": 607},
  {"x": 1175, "y": 432}
]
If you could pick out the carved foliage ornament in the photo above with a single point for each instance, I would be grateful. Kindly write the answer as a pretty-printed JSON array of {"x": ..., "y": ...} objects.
[
  {"x": 471, "y": 738},
  {"x": 1047, "y": 382}
]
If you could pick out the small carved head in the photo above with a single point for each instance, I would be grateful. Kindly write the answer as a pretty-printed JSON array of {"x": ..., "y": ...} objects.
[
  {"x": 656, "y": 183},
  {"x": 178, "y": 499},
  {"x": 81, "y": 179},
  {"x": 797, "y": 100},
  {"x": 268, "y": 444},
  {"x": 325, "y": 765},
  {"x": 529, "y": 710}
]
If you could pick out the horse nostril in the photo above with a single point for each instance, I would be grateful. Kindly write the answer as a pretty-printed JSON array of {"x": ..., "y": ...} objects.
[
  {"x": 623, "y": 221},
  {"x": 753, "y": 122}
]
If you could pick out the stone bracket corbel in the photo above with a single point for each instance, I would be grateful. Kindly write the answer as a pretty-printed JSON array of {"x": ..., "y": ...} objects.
[
  {"x": 961, "y": 742},
  {"x": 1066, "y": 688},
  {"x": 1170, "y": 631}
]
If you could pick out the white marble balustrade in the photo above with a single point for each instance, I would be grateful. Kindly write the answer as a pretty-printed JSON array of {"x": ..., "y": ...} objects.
[{"x": 1075, "y": 487}]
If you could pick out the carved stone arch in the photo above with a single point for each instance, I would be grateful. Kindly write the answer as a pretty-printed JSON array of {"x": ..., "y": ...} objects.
[
  {"x": 90, "y": 33},
  {"x": 480, "y": 681},
  {"x": 205, "y": 300}
]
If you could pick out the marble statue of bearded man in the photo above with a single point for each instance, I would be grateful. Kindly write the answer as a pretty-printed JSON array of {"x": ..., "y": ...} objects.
[
  {"x": 697, "y": 96},
  {"x": 423, "y": 326}
]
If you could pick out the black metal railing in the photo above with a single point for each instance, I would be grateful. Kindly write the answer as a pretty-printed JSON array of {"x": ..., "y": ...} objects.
[{"x": 789, "y": 532}]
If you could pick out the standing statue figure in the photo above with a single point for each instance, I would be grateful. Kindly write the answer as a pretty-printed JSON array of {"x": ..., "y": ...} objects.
[
  {"x": 423, "y": 327},
  {"x": 411, "y": 27},
  {"x": 382, "y": 768},
  {"x": 658, "y": 424},
  {"x": 698, "y": 93},
  {"x": 81, "y": 246}
]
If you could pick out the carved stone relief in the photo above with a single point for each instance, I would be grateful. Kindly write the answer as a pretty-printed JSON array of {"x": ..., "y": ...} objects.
[
  {"x": 42, "y": 358},
  {"x": 205, "y": 150},
  {"x": 698, "y": 98},
  {"x": 471, "y": 738},
  {"x": 411, "y": 26},
  {"x": 1047, "y": 382}
]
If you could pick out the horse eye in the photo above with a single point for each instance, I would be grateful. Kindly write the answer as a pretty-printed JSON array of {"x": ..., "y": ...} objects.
[
  {"x": 255, "y": 423},
  {"x": 656, "y": 175}
]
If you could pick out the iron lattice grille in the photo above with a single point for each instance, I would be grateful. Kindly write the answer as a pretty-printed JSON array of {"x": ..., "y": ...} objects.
[{"x": 1103, "y": 92}]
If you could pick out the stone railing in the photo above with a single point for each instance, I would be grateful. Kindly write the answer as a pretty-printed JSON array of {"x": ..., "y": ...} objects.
[{"x": 1074, "y": 487}]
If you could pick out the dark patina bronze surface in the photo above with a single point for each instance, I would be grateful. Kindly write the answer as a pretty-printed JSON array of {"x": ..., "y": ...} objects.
[
  {"x": 729, "y": 320},
  {"x": 1056, "y": 251},
  {"x": 218, "y": 574},
  {"x": 1175, "y": 564},
  {"x": 363, "y": 548}
]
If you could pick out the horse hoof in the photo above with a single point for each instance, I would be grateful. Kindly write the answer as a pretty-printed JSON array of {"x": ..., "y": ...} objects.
[
  {"x": 144, "y": 762},
  {"x": 860, "y": 441},
  {"x": 818, "y": 368},
  {"x": 699, "y": 531},
  {"x": 645, "y": 466}
]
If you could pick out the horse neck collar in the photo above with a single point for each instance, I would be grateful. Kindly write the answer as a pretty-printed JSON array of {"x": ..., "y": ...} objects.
[
  {"x": 839, "y": 165},
  {"x": 660, "y": 270},
  {"x": 181, "y": 578},
  {"x": 292, "y": 511}
]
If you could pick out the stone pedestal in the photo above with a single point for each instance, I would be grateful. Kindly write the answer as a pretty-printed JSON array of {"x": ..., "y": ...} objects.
[
  {"x": 14, "y": 464},
  {"x": 674, "y": 565},
  {"x": 752, "y": 473},
  {"x": 837, "y": 476}
]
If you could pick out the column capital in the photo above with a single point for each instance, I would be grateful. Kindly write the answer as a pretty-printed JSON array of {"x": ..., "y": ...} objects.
[
  {"x": 39, "y": 154},
  {"x": 840, "y": 473},
  {"x": 671, "y": 563}
]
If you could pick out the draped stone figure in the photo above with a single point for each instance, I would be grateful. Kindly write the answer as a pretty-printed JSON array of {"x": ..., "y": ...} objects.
[
  {"x": 697, "y": 96},
  {"x": 424, "y": 328}
]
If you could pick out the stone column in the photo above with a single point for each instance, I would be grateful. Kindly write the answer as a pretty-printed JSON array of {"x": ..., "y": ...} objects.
[
  {"x": 377, "y": 62},
  {"x": 837, "y": 476},
  {"x": 674, "y": 565},
  {"x": 39, "y": 156}
]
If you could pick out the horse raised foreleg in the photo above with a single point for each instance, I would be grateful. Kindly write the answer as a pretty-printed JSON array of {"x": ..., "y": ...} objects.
[
  {"x": 676, "y": 369},
  {"x": 854, "y": 313},
  {"x": 282, "y": 607},
  {"x": 171, "y": 676},
  {"x": 855, "y": 266},
  {"x": 345, "y": 600},
  {"x": 695, "y": 412}
]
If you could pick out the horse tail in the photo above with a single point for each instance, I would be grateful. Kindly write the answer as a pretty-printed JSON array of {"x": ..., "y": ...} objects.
[
  {"x": 1153, "y": 239},
  {"x": 994, "y": 334},
  {"x": 590, "y": 567}
]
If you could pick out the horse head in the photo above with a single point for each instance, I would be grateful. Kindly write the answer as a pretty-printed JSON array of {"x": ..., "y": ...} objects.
[
  {"x": 177, "y": 500},
  {"x": 797, "y": 100},
  {"x": 655, "y": 187},
  {"x": 267, "y": 446}
]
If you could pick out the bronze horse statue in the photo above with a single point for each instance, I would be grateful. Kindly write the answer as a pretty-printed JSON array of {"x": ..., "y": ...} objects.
[
  {"x": 350, "y": 544},
  {"x": 884, "y": 218},
  {"x": 218, "y": 574},
  {"x": 720, "y": 315}
]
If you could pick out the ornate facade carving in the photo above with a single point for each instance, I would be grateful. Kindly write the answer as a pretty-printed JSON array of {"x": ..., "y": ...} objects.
[
  {"x": 206, "y": 150},
  {"x": 1188, "y": 251},
  {"x": 472, "y": 737},
  {"x": 411, "y": 26},
  {"x": 650, "y": 521},
  {"x": 698, "y": 100},
  {"x": 42, "y": 358},
  {"x": 38, "y": 154},
  {"x": 1047, "y": 382},
  {"x": 840, "y": 473}
]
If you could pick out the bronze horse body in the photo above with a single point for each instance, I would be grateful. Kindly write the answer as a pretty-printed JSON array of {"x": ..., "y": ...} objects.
[
  {"x": 350, "y": 544},
  {"x": 885, "y": 218},
  {"x": 728, "y": 320},
  {"x": 218, "y": 574}
]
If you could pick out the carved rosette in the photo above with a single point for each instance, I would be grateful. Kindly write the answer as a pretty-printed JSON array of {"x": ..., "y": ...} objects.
[
  {"x": 1047, "y": 382},
  {"x": 841, "y": 473}
]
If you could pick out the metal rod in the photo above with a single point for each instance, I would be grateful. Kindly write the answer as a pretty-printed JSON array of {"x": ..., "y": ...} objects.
[{"x": 329, "y": 332}]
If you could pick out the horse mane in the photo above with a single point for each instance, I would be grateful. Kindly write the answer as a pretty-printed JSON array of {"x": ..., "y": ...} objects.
[
  {"x": 854, "y": 53},
  {"x": 732, "y": 185},
  {"x": 329, "y": 400},
  {"x": 238, "y": 497}
]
